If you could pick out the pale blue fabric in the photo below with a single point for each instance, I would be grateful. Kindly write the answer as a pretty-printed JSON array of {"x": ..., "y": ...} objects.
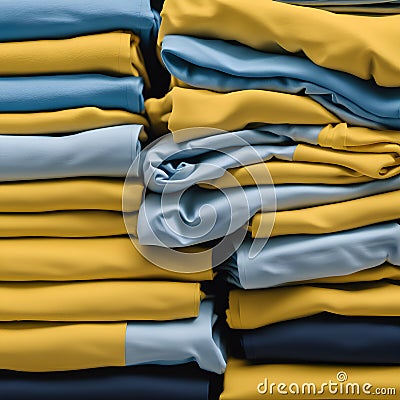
[
  {"x": 288, "y": 259},
  {"x": 167, "y": 166},
  {"x": 223, "y": 66},
  {"x": 173, "y": 220},
  {"x": 58, "y": 92},
  {"x": 177, "y": 342},
  {"x": 107, "y": 152},
  {"x": 27, "y": 19}
]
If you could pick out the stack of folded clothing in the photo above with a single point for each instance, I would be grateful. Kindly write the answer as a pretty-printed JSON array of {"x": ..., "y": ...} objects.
[
  {"x": 75, "y": 293},
  {"x": 307, "y": 100}
]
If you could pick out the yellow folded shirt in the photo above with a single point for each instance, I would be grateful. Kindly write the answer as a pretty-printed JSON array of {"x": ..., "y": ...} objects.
[
  {"x": 384, "y": 271},
  {"x": 284, "y": 172},
  {"x": 250, "y": 309},
  {"x": 46, "y": 346},
  {"x": 374, "y": 165},
  {"x": 246, "y": 381},
  {"x": 359, "y": 139},
  {"x": 112, "y": 53},
  {"x": 63, "y": 224},
  {"x": 66, "y": 121},
  {"x": 187, "y": 108},
  {"x": 56, "y": 259},
  {"x": 360, "y": 45},
  {"x": 66, "y": 194},
  {"x": 330, "y": 217},
  {"x": 98, "y": 301}
]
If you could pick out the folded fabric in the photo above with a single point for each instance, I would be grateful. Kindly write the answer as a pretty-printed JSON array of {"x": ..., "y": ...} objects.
[
  {"x": 330, "y": 217},
  {"x": 257, "y": 308},
  {"x": 246, "y": 381},
  {"x": 90, "y": 223},
  {"x": 324, "y": 338},
  {"x": 289, "y": 259},
  {"x": 105, "y": 152},
  {"x": 147, "y": 382},
  {"x": 170, "y": 166},
  {"x": 384, "y": 271},
  {"x": 132, "y": 343},
  {"x": 178, "y": 222},
  {"x": 185, "y": 108},
  {"x": 58, "y": 92},
  {"x": 224, "y": 67},
  {"x": 282, "y": 172},
  {"x": 177, "y": 342},
  {"x": 58, "y": 259},
  {"x": 67, "y": 121},
  {"x": 65, "y": 194},
  {"x": 98, "y": 301},
  {"x": 51, "y": 19},
  {"x": 330, "y": 40},
  {"x": 112, "y": 53}
]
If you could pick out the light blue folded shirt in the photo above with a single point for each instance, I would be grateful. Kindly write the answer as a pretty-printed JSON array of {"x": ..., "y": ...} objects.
[
  {"x": 169, "y": 167},
  {"x": 289, "y": 259},
  {"x": 199, "y": 215},
  {"x": 59, "y": 92},
  {"x": 27, "y": 19},
  {"x": 178, "y": 342},
  {"x": 223, "y": 66},
  {"x": 107, "y": 152}
]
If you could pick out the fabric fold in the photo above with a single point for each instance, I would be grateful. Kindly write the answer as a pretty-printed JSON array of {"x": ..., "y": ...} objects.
[
  {"x": 87, "y": 259},
  {"x": 148, "y": 383},
  {"x": 257, "y": 308},
  {"x": 99, "y": 301},
  {"x": 65, "y": 194},
  {"x": 111, "y": 53},
  {"x": 108, "y": 152},
  {"x": 58, "y": 92},
  {"x": 67, "y": 121},
  {"x": 326, "y": 339},
  {"x": 329, "y": 218},
  {"x": 316, "y": 256},
  {"x": 222, "y": 66},
  {"x": 347, "y": 43},
  {"x": 247, "y": 381},
  {"x": 187, "y": 108},
  {"x": 66, "y": 224}
]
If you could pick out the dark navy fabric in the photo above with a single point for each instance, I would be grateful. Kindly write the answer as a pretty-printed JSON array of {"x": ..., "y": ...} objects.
[
  {"x": 133, "y": 383},
  {"x": 324, "y": 338}
]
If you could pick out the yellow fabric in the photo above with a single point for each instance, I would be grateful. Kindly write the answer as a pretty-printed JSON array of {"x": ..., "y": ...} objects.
[
  {"x": 44, "y": 346},
  {"x": 360, "y": 45},
  {"x": 55, "y": 259},
  {"x": 112, "y": 53},
  {"x": 359, "y": 139},
  {"x": 330, "y": 217},
  {"x": 63, "y": 224},
  {"x": 65, "y": 121},
  {"x": 255, "y": 308},
  {"x": 98, "y": 301},
  {"x": 385, "y": 271},
  {"x": 373, "y": 165},
  {"x": 66, "y": 194},
  {"x": 242, "y": 380},
  {"x": 187, "y": 108},
  {"x": 283, "y": 172}
]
